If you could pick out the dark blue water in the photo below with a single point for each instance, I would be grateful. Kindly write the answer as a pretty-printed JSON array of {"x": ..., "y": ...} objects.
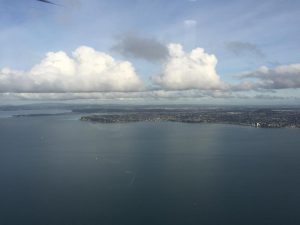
[{"x": 60, "y": 171}]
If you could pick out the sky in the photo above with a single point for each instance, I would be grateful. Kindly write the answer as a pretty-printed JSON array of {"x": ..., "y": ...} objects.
[{"x": 159, "y": 51}]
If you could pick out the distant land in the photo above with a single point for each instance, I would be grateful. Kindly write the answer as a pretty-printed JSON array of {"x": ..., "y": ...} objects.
[{"x": 255, "y": 117}]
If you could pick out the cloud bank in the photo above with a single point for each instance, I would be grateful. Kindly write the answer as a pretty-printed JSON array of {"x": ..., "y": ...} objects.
[
  {"x": 281, "y": 77},
  {"x": 194, "y": 70},
  {"x": 85, "y": 71},
  {"x": 189, "y": 96}
]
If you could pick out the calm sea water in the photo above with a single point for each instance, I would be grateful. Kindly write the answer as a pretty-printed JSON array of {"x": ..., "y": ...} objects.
[{"x": 57, "y": 170}]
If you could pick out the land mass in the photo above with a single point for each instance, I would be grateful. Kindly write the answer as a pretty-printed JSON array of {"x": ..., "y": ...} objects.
[{"x": 263, "y": 118}]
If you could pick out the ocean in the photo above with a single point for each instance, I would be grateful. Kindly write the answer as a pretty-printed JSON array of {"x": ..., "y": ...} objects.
[{"x": 58, "y": 170}]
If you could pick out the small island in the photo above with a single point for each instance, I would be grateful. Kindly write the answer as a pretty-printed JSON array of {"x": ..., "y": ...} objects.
[{"x": 261, "y": 118}]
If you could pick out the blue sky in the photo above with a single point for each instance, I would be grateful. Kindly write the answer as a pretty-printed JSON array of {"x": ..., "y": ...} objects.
[{"x": 243, "y": 35}]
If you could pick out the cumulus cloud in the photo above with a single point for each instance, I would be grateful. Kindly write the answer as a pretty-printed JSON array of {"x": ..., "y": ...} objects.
[
  {"x": 194, "y": 70},
  {"x": 239, "y": 48},
  {"x": 87, "y": 70},
  {"x": 140, "y": 47},
  {"x": 89, "y": 74},
  {"x": 281, "y": 77}
]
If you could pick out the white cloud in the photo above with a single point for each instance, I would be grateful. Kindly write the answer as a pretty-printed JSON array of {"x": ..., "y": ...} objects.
[
  {"x": 190, "y": 23},
  {"x": 194, "y": 70},
  {"x": 86, "y": 71},
  {"x": 88, "y": 74}
]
